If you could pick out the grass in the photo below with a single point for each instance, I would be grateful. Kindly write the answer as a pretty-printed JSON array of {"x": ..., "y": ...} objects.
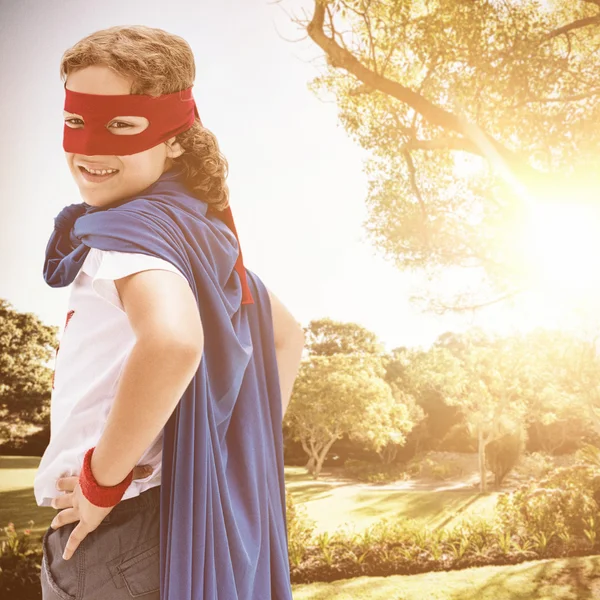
[
  {"x": 332, "y": 505},
  {"x": 559, "y": 579},
  {"x": 17, "y": 502}
]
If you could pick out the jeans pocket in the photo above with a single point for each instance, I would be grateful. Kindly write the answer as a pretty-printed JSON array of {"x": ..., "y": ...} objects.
[
  {"x": 51, "y": 589},
  {"x": 139, "y": 569}
]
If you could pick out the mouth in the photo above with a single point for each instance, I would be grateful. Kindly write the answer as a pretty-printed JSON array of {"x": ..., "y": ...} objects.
[{"x": 96, "y": 178}]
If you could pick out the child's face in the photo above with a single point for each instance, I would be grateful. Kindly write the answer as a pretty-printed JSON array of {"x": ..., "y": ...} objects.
[{"x": 135, "y": 171}]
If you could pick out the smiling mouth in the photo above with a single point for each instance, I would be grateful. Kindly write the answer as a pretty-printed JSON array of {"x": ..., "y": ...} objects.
[{"x": 96, "y": 178}]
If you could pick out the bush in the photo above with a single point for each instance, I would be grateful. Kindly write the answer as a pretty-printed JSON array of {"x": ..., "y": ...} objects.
[
  {"x": 440, "y": 469},
  {"x": 534, "y": 465},
  {"x": 19, "y": 566},
  {"x": 503, "y": 454},
  {"x": 31, "y": 445},
  {"x": 299, "y": 530},
  {"x": 363, "y": 470},
  {"x": 405, "y": 547},
  {"x": 561, "y": 504}
]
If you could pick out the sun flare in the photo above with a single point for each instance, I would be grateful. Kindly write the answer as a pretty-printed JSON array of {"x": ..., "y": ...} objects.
[{"x": 563, "y": 244}]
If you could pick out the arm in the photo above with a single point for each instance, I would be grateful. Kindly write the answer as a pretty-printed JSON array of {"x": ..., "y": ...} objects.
[
  {"x": 164, "y": 316},
  {"x": 289, "y": 343}
]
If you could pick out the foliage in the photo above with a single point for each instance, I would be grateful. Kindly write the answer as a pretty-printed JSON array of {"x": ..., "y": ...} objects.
[
  {"x": 558, "y": 505},
  {"x": 475, "y": 384},
  {"x": 19, "y": 565},
  {"x": 343, "y": 393},
  {"x": 325, "y": 337},
  {"x": 414, "y": 375},
  {"x": 25, "y": 382},
  {"x": 299, "y": 530},
  {"x": 534, "y": 465},
  {"x": 507, "y": 90},
  {"x": 427, "y": 466},
  {"x": 363, "y": 470},
  {"x": 503, "y": 454}
]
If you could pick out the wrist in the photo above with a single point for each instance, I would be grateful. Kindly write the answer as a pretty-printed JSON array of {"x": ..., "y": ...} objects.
[
  {"x": 106, "y": 474},
  {"x": 104, "y": 496}
]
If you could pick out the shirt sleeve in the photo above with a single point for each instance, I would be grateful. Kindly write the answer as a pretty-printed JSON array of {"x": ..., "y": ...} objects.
[{"x": 114, "y": 265}]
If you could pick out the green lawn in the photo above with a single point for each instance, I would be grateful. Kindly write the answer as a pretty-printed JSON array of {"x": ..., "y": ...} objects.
[
  {"x": 17, "y": 502},
  {"x": 332, "y": 506},
  {"x": 561, "y": 579}
]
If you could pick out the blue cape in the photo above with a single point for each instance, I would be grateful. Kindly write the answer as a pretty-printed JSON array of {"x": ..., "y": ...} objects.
[{"x": 223, "y": 533}]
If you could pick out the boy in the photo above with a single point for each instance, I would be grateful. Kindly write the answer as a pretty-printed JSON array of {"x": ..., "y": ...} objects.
[{"x": 173, "y": 355}]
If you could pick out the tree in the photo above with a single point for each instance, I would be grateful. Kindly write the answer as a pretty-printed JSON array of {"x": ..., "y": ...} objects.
[
  {"x": 403, "y": 416},
  {"x": 558, "y": 409},
  {"x": 414, "y": 375},
  {"x": 507, "y": 89},
  {"x": 492, "y": 386},
  {"x": 577, "y": 365},
  {"x": 325, "y": 337},
  {"x": 503, "y": 454},
  {"x": 25, "y": 381},
  {"x": 342, "y": 394}
]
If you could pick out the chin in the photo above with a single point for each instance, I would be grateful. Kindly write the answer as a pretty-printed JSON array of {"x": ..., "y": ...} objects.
[{"x": 95, "y": 199}]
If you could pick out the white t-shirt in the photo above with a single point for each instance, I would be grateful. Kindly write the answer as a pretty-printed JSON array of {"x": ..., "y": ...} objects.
[{"x": 95, "y": 343}]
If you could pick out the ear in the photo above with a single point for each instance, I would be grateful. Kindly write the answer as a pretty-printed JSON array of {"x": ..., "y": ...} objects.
[{"x": 174, "y": 148}]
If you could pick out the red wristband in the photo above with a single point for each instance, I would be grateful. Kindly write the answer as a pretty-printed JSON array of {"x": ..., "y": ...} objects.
[{"x": 97, "y": 494}]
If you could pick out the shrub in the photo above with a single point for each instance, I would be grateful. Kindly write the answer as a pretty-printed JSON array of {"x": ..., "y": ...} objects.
[
  {"x": 19, "y": 566},
  {"x": 535, "y": 465},
  {"x": 299, "y": 530},
  {"x": 439, "y": 469},
  {"x": 503, "y": 454},
  {"x": 559, "y": 504},
  {"x": 363, "y": 470}
]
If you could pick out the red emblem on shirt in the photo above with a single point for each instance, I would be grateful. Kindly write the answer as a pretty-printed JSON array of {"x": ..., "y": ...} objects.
[{"x": 69, "y": 315}]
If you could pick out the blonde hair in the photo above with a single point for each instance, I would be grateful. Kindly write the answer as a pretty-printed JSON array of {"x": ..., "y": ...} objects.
[{"x": 158, "y": 63}]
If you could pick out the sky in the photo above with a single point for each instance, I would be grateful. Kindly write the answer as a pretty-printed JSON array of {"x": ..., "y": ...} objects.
[{"x": 297, "y": 181}]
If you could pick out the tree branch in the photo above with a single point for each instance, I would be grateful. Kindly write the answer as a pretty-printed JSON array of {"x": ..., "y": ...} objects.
[
  {"x": 342, "y": 58},
  {"x": 444, "y": 143},
  {"x": 572, "y": 98},
  {"x": 417, "y": 192},
  {"x": 579, "y": 24},
  {"x": 442, "y": 308}
]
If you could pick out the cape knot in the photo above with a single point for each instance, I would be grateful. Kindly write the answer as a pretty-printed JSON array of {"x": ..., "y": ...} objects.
[{"x": 66, "y": 218}]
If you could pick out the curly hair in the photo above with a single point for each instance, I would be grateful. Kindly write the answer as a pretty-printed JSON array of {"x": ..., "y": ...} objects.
[{"x": 158, "y": 63}]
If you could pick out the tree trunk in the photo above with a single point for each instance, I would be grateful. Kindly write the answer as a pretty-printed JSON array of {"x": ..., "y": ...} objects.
[
  {"x": 321, "y": 457},
  {"x": 312, "y": 456},
  {"x": 388, "y": 453},
  {"x": 482, "y": 468}
]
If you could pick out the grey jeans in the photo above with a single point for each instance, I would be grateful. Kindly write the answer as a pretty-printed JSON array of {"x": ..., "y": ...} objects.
[{"x": 119, "y": 560}]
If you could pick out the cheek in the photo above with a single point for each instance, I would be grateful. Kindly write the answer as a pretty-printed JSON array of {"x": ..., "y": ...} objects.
[
  {"x": 139, "y": 170},
  {"x": 143, "y": 162}
]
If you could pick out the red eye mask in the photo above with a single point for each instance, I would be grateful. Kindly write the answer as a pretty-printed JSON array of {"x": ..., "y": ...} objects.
[{"x": 167, "y": 115}]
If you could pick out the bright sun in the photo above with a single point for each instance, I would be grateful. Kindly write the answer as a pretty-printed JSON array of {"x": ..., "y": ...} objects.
[{"x": 563, "y": 244}]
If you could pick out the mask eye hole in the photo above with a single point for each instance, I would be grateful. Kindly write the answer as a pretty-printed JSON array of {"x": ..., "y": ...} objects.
[
  {"x": 122, "y": 125},
  {"x": 72, "y": 120},
  {"x": 128, "y": 125}
]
